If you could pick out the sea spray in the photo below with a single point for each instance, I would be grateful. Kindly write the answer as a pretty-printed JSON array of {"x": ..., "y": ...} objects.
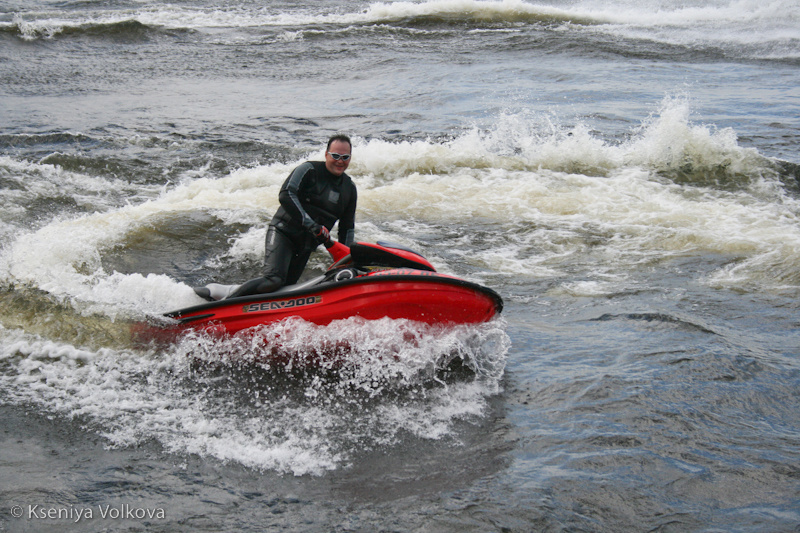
[{"x": 226, "y": 400}]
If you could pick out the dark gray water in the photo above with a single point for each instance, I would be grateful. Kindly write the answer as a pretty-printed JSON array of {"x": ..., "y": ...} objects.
[{"x": 623, "y": 174}]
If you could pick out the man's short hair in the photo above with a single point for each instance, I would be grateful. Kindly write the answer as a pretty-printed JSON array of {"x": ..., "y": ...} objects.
[{"x": 339, "y": 137}]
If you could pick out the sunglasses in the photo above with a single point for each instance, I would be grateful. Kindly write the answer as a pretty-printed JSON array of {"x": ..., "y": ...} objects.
[{"x": 343, "y": 157}]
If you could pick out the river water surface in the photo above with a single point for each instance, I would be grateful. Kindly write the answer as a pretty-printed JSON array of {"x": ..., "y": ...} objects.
[{"x": 624, "y": 174}]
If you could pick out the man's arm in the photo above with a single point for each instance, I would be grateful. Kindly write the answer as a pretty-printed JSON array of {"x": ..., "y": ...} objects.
[{"x": 289, "y": 196}]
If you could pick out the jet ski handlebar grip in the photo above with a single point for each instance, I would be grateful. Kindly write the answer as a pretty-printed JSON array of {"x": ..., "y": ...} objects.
[{"x": 337, "y": 249}]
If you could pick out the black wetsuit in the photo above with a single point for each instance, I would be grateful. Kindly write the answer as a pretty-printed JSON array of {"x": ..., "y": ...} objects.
[{"x": 310, "y": 197}]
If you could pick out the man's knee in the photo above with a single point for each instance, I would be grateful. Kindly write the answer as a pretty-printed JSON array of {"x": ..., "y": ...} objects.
[{"x": 258, "y": 286}]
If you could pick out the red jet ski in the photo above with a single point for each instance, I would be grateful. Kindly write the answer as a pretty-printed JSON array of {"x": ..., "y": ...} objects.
[{"x": 367, "y": 280}]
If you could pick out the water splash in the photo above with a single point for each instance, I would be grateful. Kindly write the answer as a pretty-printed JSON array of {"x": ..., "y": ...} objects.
[{"x": 228, "y": 401}]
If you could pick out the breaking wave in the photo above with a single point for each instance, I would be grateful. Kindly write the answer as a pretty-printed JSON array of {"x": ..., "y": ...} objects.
[{"x": 723, "y": 27}]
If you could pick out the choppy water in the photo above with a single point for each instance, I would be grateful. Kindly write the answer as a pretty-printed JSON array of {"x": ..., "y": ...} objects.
[{"x": 624, "y": 174}]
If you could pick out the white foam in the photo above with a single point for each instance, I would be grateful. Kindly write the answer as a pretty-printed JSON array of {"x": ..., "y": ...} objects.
[
  {"x": 553, "y": 189},
  {"x": 64, "y": 257},
  {"x": 269, "y": 420},
  {"x": 673, "y": 188}
]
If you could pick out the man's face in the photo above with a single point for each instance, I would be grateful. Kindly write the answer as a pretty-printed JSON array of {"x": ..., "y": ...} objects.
[{"x": 337, "y": 167}]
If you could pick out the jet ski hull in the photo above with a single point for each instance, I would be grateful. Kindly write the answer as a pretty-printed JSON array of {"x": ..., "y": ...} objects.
[{"x": 416, "y": 295}]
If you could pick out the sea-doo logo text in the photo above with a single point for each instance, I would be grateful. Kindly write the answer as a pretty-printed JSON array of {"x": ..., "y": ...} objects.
[{"x": 282, "y": 304}]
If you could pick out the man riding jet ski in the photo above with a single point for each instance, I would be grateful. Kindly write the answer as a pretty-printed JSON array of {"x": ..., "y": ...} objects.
[{"x": 312, "y": 199}]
